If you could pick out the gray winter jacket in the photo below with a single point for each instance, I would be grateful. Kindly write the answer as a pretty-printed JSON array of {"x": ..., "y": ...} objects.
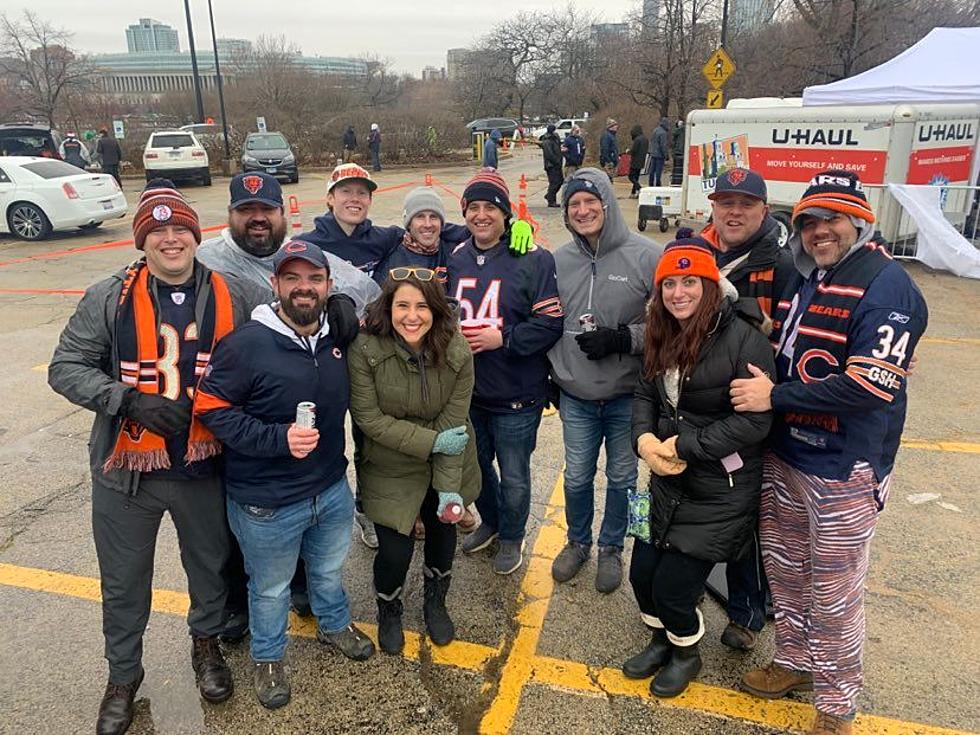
[
  {"x": 613, "y": 284},
  {"x": 85, "y": 366},
  {"x": 222, "y": 254},
  {"x": 659, "y": 143}
]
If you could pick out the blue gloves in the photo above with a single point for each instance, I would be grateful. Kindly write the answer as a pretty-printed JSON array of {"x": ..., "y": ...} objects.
[
  {"x": 450, "y": 508},
  {"x": 451, "y": 441},
  {"x": 521, "y": 238}
]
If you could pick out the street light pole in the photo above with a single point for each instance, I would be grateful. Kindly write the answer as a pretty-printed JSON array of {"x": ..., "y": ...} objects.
[
  {"x": 197, "y": 78},
  {"x": 221, "y": 93},
  {"x": 724, "y": 23}
]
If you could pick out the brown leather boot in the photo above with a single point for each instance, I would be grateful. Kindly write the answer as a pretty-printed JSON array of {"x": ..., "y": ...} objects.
[
  {"x": 775, "y": 681},
  {"x": 829, "y": 725}
]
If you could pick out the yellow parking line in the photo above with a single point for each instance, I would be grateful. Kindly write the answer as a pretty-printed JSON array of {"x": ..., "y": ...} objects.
[
  {"x": 536, "y": 589},
  {"x": 42, "y": 368},
  {"x": 461, "y": 654},
  {"x": 783, "y": 714},
  {"x": 942, "y": 446}
]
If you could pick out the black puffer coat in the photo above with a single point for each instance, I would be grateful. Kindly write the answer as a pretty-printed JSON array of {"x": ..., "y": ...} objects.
[{"x": 706, "y": 512}]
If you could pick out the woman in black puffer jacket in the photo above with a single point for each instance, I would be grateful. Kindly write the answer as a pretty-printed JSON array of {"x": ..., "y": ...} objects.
[{"x": 706, "y": 460}]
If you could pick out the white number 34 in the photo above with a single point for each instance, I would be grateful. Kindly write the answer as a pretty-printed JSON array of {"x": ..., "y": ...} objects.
[{"x": 888, "y": 346}]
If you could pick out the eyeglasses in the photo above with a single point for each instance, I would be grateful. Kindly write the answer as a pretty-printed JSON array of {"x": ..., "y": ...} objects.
[{"x": 419, "y": 274}]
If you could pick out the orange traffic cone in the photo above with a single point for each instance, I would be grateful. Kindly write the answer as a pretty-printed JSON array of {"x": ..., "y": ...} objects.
[
  {"x": 294, "y": 216},
  {"x": 428, "y": 179}
]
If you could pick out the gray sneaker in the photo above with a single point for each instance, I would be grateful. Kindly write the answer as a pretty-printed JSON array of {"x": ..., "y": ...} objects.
[
  {"x": 481, "y": 538},
  {"x": 368, "y": 535},
  {"x": 610, "y": 574},
  {"x": 569, "y": 561},
  {"x": 350, "y": 641},
  {"x": 509, "y": 556},
  {"x": 271, "y": 684}
]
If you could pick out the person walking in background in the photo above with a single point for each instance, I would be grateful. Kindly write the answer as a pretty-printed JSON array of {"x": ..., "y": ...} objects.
[
  {"x": 490, "y": 146},
  {"x": 374, "y": 145},
  {"x": 73, "y": 151},
  {"x": 109, "y": 152},
  {"x": 350, "y": 143},
  {"x": 551, "y": 151},
  {"x": 705, "y": 458},
  {"x": 659, "y": 150},
  {"x": 411, "y": 375},
  {"x": 573, "y": 149},
  {"x": 638, "y": 157},
  {"x": 609, "y": 149},
  {"x": 677, "y": 152}
]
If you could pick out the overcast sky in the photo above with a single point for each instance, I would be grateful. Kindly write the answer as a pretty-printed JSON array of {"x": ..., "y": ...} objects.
[{"x": 411, "y": 34}]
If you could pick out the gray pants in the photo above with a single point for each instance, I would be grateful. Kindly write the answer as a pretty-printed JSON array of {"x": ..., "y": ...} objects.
[{"x": 125, "y": 529}]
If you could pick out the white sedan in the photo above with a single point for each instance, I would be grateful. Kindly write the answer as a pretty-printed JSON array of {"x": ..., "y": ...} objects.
[{"x": 38, "y": 195}]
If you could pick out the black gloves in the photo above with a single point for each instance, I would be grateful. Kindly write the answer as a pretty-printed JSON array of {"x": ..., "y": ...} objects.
[
  {"x": 160, "y": 415},
  {"x": 604, "y": 341},
  {"x": 342, "y": 319}
]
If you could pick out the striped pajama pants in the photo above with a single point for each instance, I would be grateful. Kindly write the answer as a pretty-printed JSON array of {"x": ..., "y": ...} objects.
[{"x": 816, "y": 537}]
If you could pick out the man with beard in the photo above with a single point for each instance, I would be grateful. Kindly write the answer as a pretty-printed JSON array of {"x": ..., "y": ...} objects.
[
  {"x": 286, "y": 485},
  {"x": 246, "y": 249}
]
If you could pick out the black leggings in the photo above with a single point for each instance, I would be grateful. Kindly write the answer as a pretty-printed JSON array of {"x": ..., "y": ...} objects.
[
  {"x": 668, "y": 585},
  {"x": 395, "y": 549}
]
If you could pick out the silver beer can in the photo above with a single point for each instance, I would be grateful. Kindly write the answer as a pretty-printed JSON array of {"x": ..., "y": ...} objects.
[
  {"x": 306, "y": 415},
  {"x": 587, "y": 322}
]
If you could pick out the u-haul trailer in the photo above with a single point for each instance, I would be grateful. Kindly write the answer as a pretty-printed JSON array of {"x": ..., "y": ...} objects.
[{"x": 933, "y": 144}]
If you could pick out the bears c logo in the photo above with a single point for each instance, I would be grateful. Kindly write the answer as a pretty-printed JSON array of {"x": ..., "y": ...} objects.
[
  {"x": 252, "y": 184},
  {"x": 736, "y": 176}
]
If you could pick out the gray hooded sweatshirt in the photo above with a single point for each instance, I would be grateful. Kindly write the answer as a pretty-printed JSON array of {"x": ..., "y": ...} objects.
[{"x": 613, "y": 284}]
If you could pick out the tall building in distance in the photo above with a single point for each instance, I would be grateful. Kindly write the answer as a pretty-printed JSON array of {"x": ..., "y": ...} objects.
[
  {"x": 455, "y": 62},
  {"x": 750, "y": 15},
  {"x": 152, "y": 37},
  {"x": 432, "y": 73},
  {"x": 651, "y": 14}
]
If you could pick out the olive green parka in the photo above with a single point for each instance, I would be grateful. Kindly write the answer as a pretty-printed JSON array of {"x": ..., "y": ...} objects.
[{"x": 401, "y": 406}]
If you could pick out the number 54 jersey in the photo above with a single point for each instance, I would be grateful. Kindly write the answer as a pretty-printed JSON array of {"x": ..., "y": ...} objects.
[
  {"x": 844, "y": 339},
  {"x": 517, "y": 295}
]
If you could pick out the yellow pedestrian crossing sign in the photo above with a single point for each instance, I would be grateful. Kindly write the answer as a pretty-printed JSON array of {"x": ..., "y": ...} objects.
[
  {"x": 715, "y": 100},
  {"x": 719, "y": 68}
]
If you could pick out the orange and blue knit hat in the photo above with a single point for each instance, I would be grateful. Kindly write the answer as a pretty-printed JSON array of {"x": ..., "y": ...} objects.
[
  {"x": 834, "y": 191},
  {"x": 488, "y": 186},
  {"x": 687, "y": 255},
  {"x": 160, "y": 205}
]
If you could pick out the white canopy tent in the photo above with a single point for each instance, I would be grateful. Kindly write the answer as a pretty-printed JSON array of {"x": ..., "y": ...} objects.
[{"x": 942, "y": 67}]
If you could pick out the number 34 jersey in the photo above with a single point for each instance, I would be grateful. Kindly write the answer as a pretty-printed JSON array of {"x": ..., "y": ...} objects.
[{"x": 519, "y": 296}]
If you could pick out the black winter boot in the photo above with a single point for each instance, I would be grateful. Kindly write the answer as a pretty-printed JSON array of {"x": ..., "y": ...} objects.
[
  {"x": 651, "y": 658},
  {"x": 391, "y": 637},
  {"x": 438, "y": 624},
  {"x": 684, "y": 665}
]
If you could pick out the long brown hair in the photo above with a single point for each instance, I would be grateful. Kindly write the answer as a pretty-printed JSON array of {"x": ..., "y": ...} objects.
[
  {"x": 670, "y": 343},
  {"x": 435, "y": 342}
]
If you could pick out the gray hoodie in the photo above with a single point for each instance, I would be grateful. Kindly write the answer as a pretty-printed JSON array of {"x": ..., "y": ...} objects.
[
  {"x": 613, "y": 284},
  {"x": 223, "y": 255}
]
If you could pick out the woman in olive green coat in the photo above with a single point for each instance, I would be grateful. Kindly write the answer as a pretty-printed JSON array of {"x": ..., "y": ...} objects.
[{"x": 411, "y": 377}]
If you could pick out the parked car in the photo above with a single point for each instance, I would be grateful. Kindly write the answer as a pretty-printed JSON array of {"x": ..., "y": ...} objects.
[
  {"x": 562, "y": 127},
  {"x": 176, "y": 154},
  {"x": 38, "y": 195},
  {"x": 270, "y": 152},
  {"x": 29, "y": 139},
  {"x": 505, "y": 125}
]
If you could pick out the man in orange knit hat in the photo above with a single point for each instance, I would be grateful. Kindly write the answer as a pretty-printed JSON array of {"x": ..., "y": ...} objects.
[{"x": 133, "y": 353}]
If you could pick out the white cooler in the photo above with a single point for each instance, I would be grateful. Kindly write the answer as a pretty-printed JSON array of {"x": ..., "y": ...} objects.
[{"x": 658, "y": 204}]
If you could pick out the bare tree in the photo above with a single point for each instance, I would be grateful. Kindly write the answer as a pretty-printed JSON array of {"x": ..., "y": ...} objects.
[{"x": 40, "y": 61}]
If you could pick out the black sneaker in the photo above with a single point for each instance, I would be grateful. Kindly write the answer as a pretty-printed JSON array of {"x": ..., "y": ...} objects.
[
  {"x": 236, "y": 627},
  {"x": 350, "y": 641},
  {"x": 569, "y": 560},
  {"x": 479, "y": 539},
  {"x": 610, "y": 573},
  {"x": 271, "y": 684}
]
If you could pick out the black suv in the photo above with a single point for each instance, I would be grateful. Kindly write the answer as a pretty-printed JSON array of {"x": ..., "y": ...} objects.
[
  {"x": 270, "y": 152},
  {"x": 505, "y": 125},
  {"x": 29, "y": 139}
]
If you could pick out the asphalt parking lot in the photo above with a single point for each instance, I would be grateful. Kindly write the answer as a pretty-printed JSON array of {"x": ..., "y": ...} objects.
[{"x": 532, "y": 657}]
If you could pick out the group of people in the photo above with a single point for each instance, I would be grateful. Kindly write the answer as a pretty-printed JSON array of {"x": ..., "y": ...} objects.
[
  {"x": 744, "y": 376},
  {"x": 107, "y": 152},
  {"x": 649, "y": 153},
  {"x": 349, "y": 144}
]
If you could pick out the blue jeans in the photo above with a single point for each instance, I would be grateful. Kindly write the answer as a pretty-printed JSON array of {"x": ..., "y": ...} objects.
[
  {"x": 505, "y": 500},
  {"x": 748, "y": 589},
  {"x": 318, "y": 529},
  {"x": 656, "y": 169},
  {"x": 585, "y": 425}
]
